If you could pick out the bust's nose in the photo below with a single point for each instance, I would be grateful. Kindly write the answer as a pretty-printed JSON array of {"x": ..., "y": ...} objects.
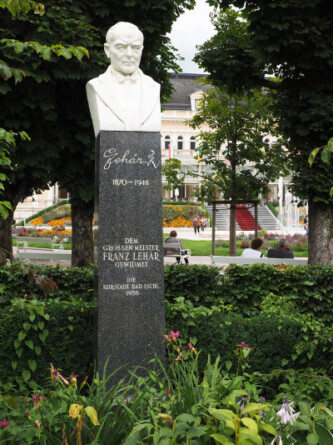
[{"x": 129, "y": 51}]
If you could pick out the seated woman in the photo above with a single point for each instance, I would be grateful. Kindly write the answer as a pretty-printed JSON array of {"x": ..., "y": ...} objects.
[
  {"x": 173, "y": 239},
  {"x": 254, "y": 250}
]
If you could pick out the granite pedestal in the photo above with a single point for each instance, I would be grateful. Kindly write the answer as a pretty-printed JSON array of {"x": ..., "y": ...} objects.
[{"x": 128, "y": 250}]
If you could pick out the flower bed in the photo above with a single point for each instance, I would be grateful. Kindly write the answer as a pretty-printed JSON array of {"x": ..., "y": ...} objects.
[
  {"x": 297, "y": 242},
  {"x": 58, "y": 231},
  {"x": 180, "y": 215}
]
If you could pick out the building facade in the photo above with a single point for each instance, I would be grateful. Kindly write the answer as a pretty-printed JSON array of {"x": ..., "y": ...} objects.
[{"x": 178, "y": 140}]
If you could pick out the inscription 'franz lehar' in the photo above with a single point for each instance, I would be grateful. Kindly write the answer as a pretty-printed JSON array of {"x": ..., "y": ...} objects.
[{"x": 113, "y": 157}]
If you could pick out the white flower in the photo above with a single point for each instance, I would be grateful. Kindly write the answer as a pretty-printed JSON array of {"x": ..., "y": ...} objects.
[{"x": 286, "y": 412}]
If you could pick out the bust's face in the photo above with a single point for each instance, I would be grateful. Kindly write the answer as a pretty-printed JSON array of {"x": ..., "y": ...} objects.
[{"x": 124, "y": 50}]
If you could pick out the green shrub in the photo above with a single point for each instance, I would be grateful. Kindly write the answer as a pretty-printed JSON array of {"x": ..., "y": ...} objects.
[
  {"x": 273, "y": 338},
  {"x": 35, "y": 334},
  {"x": 310, "y": 286},
  {"x": 199, "y": 284},
  {"x": 19, "y": 281}
]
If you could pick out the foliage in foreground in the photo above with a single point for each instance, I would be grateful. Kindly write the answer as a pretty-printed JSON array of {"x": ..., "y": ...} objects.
[{"x": 176, "y": 405}]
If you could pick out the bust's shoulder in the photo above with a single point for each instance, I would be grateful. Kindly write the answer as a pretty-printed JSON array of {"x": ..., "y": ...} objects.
[
  {"x": 97, "y": 80},
  {"x": 149, "y": 80}
]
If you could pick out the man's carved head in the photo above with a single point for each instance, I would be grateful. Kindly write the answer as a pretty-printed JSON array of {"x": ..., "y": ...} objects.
[{"x": 124, "y": 45}]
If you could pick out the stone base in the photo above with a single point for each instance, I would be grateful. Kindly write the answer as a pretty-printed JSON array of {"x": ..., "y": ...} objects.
[{"x": 128, "y": 250}]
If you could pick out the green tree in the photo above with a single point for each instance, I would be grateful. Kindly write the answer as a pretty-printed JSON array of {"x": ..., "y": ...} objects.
[
  {"x": 252, "y": 153},
  {"x": 173, "y": 174},
  {"x": 293, "y": 41},
  {"x": 51, "y": 104},
  {"x": 12, "y": 74}
]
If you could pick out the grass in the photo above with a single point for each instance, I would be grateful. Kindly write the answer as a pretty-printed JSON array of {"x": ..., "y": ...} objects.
[
  {"x": 198, "y": 248},
  {"x": 34, "y": 243},
  {"x": 204, "y": 248}
]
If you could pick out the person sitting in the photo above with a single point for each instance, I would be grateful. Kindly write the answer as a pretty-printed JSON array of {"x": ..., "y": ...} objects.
[
  {"x": 281, "y": 250},
  {"x": 254, "y": 250},
  {"x": 173, "y": 239}
]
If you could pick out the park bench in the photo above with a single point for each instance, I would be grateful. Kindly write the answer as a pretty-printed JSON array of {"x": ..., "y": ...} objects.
[
  {"x": 55, "y": 251},
  {"x": 182, "y": 253},
  {"x": 225, "y": 260}
]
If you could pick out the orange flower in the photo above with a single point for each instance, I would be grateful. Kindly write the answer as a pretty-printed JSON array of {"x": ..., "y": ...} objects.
[{"x": 37, "y": 221}]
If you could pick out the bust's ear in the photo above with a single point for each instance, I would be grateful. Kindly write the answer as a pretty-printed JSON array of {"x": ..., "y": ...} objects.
[{"x": 107, "y": 50}]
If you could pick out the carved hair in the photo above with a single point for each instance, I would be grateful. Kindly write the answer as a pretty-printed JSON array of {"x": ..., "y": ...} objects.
[{"x": 118, "y": 27}]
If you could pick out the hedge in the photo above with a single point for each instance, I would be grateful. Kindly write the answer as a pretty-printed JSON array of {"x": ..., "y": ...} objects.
[
  {"x": 273, "y": 339},
  {"x": 19, "y": 280},
  {"x": 242, "y": 287},
  {"x": 58, "y": 332},
  {"x": 61, "y": 332}
]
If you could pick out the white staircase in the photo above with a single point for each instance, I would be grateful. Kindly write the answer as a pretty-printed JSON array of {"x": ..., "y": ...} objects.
[{"x": 266, "y": 218}]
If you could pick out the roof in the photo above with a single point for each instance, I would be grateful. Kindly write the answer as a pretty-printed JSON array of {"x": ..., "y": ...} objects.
[{"x": 184, "y": 85}]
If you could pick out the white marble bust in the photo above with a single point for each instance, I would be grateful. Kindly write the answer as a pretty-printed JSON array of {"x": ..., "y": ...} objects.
[{"x": 123, "y": 98}]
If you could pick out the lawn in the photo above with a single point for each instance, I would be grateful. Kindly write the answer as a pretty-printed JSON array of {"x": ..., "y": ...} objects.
[
  {"x": 204, "y": 248},
  {"x": 198, "y": 248}
]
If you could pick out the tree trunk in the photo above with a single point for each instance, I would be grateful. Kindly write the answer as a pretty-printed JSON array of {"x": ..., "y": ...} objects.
[
  {"x": 320, "y": 233},
  {"x": 6, "y": 246},
  {"x": 232, "y": 231},
  {"x": 82, "y": 237}
]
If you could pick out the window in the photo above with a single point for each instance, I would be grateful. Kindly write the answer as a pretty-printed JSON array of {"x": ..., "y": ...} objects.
[
  {"x": 180, "y": 143},
  {"x": 197, "y": 104},
  {"x": 167, "y": 142},
  {"x": 192, "y": 142}
]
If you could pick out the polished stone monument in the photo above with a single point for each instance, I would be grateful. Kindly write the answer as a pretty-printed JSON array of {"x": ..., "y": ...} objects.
[{"x": 125, "y": 109}]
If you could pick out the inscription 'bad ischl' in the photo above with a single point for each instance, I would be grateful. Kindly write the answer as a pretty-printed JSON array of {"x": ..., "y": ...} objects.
[{"x": 129, "y": 157}]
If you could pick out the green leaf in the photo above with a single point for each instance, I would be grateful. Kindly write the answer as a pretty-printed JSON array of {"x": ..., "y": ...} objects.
[
  {"x": 325, "y": 155},
  {"x": 26, "y": 374},
  {"x": 222, "y": 414},
  {"x": 46, "y": 53},
  {"x": 30, "y": 344},
  {"x": 300, "y": 426},
  {"x": 250, "y": 423},
  {"x": 247, "y": 437},
  {"x": 14, "y": 365},
  {"x": 38, "y": 350},
  {"x": 219, "y": 438},
  {"x": 251, "y": 407},
  {"x": 41, "y": 325},
  {"x": 325, "y": 436},
  {"x": 312, "y": 156},
  {"x": 312, "y": 439},
  {"x": 305, "y": 408},
  {"x": 21, "y": 336},
  {"x": 32, "y": 317},
  {"x": 26, "y": 326},
  {"x": 268, "y": 428},
  {"x": 32, "y": 365},
  {"x": 185, "y": 418},
  {"x": 92, "y": 414},
  {"x": 19, "y": 352}
]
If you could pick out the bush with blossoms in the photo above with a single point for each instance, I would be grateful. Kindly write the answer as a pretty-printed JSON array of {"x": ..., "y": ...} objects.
[{"x": 176, "y": 404}]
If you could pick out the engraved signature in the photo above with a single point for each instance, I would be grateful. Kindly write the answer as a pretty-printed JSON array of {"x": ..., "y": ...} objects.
[{"x": 113, "y": 157}]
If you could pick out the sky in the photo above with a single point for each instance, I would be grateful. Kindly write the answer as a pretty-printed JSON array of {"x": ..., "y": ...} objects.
[{"x": 192, "y": 28}]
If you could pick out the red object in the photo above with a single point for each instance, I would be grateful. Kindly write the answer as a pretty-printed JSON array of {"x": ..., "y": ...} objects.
[{"x": 245, "y": 219}]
